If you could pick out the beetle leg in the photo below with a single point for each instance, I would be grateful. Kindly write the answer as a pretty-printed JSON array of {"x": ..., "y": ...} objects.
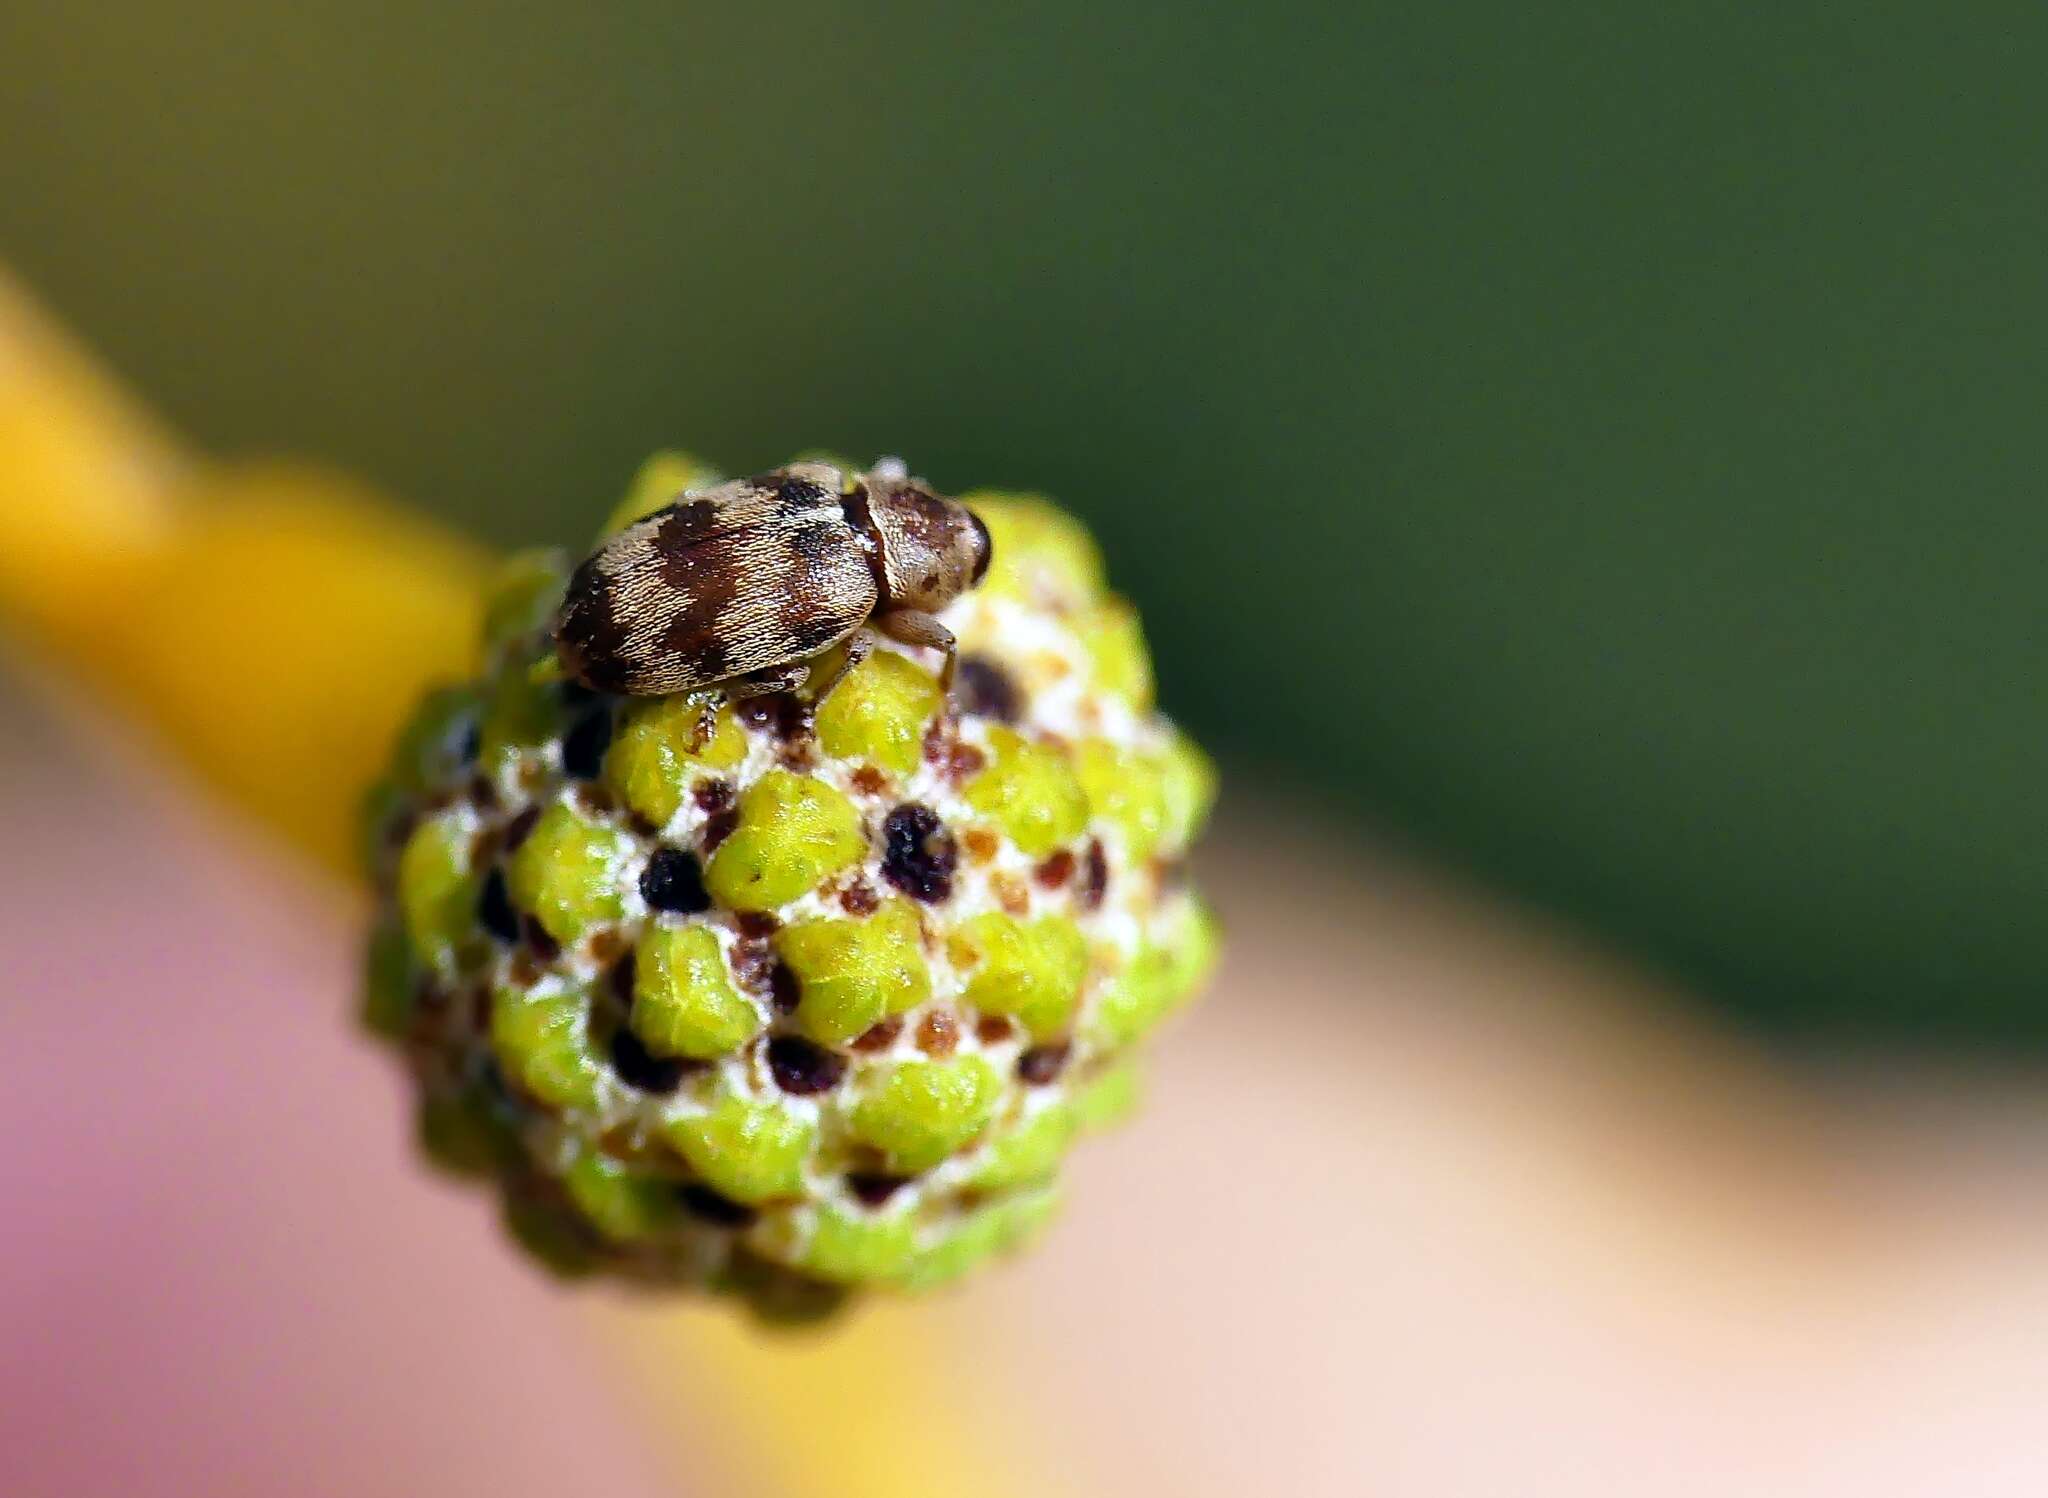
[
  {"x": 739, "y": 689},
  {"x": 916, "y": 627},
  {"x": 858, "y": 648}
]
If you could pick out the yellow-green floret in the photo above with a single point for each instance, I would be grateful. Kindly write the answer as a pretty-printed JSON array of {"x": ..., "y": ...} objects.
[{"x": 792, "y": 997}]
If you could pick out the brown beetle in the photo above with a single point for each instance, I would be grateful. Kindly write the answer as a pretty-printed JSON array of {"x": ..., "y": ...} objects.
[{"x": 739, "y": 585}]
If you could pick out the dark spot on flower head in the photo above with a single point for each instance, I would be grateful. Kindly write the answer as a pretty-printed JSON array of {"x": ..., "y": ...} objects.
[
  {"x": 918, "y": 853},
  {"x": 1042, "y": 1063},
  {"x": 1056, "y": 870},
  {"x": 985, "y": 690},
  {"x": 575, "y": 694},
  {"x": 859, "y": 898},
  {"x": 494, "y": 909},
  {"x": 718, "y": 828},
  {"x": 869, "y": 781},
  {"x": 516, "y": 831},
  {"x": 993, "y": 1029},
  {"x": 674, "y": 881},
  {"x": 879, "y": 1036},
  {"x": 872, "y": 1188},
  {"x": 784, "y": 991},
  {"x": 756, "y": 925},
  {"x": 801, "y": 1068},
  {"x": 1096, "y": 881},
  {"x": 620, "y": 979},
  {"x": 482, "y": 794},
  {"x": 471, "y": 742},
  {"x": 706, "y": 1205},
  {"x": 584, "y": 746},
  {"x": 640, "y": 1068},
  {"x": 593, "y": 799},
  {"x": 544, "y": 946},
  {"x": 713, "y": 796}
]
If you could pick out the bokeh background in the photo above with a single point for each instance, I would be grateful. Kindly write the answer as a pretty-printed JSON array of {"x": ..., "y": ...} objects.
[
  {"x": 1579, "y": 466},
  {"x": 1599, "y": 442}
]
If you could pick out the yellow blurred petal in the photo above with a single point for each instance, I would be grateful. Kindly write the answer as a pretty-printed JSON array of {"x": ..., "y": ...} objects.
[
  {"x": 86, "y": 482},
  {"x": 285, "y": 632}
]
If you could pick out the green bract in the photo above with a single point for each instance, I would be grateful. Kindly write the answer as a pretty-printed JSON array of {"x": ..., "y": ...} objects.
[
  {"x": 1030, "y": 792},
  {"x": 684, "y": 1002},
  {"x": 794, "y": 830},
  {"x": 805, "y": 995},
  {"x": 852, "y": 973}
]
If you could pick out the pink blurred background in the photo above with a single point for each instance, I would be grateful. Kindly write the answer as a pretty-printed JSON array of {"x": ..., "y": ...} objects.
[{"x": 1426, "y": 1200}]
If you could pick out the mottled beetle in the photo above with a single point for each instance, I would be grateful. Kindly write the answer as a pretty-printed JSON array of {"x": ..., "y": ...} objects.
[{"x": 738, "y": 586}]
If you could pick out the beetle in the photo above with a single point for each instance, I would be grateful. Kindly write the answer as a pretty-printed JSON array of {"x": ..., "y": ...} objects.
[{"x": 739, "y": 586}]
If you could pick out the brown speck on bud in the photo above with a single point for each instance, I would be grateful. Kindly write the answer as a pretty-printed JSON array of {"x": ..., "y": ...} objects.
[
  {"x": 1096, "y": 881},
  {"x": 607, "y": 946},
  {"x": 878, "y": 1037},
  {"x": 713, "y": 796},
  {"x": 1011, "y": 894},
  {"x": 859, "y": 898},
  {"x": 981, "y": 844},
  {"x": 963, "y": 761},
  {"x": 1056, "y": 870},
  {"x": 870, "y": 781},
  {"x": 718, "y": 828},
  {"x": 993, "y": 1029},
  {"x": 784, "y": 991},
  {"x": 756, "y": 925},
  {"x": 938, "y": 1033}
]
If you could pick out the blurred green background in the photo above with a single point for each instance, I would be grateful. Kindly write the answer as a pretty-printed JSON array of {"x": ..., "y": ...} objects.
[{"x": 1602, "y": 443}]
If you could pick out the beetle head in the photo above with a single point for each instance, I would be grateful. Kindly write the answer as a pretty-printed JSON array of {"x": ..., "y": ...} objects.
[{"x": 932, "y": 548}]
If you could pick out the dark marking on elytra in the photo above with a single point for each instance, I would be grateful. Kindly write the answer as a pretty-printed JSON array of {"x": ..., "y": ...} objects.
[
  {"x": 815, "y": 543},
  {"x": 814, "y": 635},
  {"x": 794, "y": 495},
  {"x": 685, "y": 523}
]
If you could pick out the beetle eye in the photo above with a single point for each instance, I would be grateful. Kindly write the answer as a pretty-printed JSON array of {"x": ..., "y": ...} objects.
[{"x": 984, "y": 550}]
